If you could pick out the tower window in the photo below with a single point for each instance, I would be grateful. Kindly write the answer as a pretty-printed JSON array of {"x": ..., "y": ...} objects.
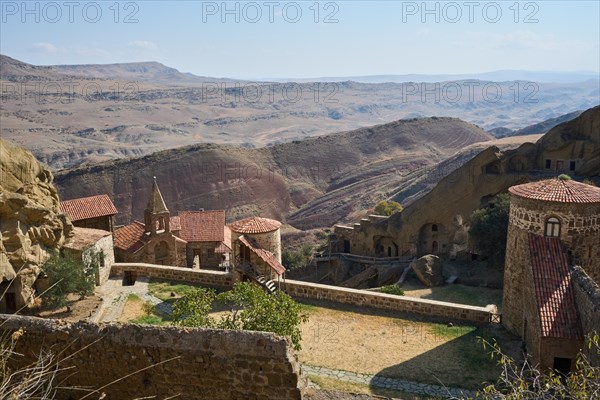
[
  {"x": 553, "y": 227},
  {"x": 572, "y": 166},
  {"x": 548, "y": 164},
  {"x": 434, "y": 228}
]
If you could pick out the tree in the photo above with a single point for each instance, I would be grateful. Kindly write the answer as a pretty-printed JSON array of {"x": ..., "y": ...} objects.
[
  {"x": 65, "y": 276},
  {"x": 294, "y": 259},
  {"x": 194, "y": 308},
  {"x": 387, "y": 207},
  {"x": 251, "y": 309},
  {"x": 489, "y": 227},
  {"x": 526, "y": 381}
]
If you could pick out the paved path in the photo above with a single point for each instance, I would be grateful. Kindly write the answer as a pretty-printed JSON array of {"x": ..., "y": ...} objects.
[
  {"x": 114, "y": 296},
  {"x": 388, "y": 383}
]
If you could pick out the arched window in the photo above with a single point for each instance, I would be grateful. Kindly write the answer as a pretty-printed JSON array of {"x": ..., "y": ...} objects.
[
  {"x": 553, "y": 227},
  {"x": 434, "y": 228}
]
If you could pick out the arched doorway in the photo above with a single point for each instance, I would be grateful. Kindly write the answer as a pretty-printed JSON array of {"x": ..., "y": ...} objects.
[{"x": 161, "y": 253}]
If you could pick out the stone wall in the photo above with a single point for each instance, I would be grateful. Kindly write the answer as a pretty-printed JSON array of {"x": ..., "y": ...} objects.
[
  {"x": 196, "y": 363},
  {"x": 270, "y": 241},
  {"x": 204, "y": 277},
  {"x": 364, "y": 298},
  {"x": 587, "y": 296}
]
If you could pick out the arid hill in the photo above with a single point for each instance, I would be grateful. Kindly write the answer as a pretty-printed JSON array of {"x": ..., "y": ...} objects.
[
  {"x": 72, "y": 115},
  {"x": 572, "y": 147},
  {"x": 348, "y": 171}
]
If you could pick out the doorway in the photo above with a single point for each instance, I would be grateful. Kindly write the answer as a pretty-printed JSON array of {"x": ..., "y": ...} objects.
[
  {"x": 562, "y": 365},
  {"x": 11, "y": 303}
]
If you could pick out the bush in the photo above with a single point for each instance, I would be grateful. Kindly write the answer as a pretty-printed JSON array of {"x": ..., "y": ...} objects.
[
  {"x": 296, "y": 259},
  {"x": 391, "y": 289},
  {"x": 387, "y": 208},
  {"x": 251, "y": 309},
  {"x": 528, "y": 382},
  {"x": 65, "y": 276},
  {"x": 489, "y": 227}
]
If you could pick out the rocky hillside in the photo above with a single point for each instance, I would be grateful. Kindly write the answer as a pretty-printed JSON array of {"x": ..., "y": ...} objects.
[
  {"x": 31, "y": 223},
  {"x": 451, "y": 202},
  {"x": 348, "y": 171},
  {"x": 72, "y": 115}
]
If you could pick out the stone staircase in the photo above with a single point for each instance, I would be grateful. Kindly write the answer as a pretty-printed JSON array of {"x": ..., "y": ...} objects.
[{"x": 268, "y": 285}]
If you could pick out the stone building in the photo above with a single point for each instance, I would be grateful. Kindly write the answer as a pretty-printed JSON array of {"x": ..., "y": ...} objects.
[
  {"x": 436, "y": 221},
  {"x": 554, "y": 224},
  {"x": 257, "y": 249},
  {"x": 192, "y": 239},
  {"x": 95, "y": 212},
  {"x": 88, "y": 240}
]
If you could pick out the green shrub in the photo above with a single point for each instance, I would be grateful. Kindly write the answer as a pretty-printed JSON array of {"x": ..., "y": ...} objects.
[
  {"x": 65, "y": 276},
  {"x": 391, "y": 289},
  {"x": 387, "y": 207}
]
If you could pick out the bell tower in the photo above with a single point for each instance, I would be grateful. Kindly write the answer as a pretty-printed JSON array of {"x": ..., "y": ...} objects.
[{"x": 156, "y": 214}]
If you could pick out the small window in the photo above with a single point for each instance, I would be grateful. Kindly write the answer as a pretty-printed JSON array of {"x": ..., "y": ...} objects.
[
  {"x": 553, "y": 227},
  {"x": 548, "y": 164},
  {"x": 572, "y": 166},
  {"x": 434, "y": 228}
]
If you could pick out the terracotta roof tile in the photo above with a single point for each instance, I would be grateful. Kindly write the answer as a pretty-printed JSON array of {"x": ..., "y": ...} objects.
[
  {"x": 130, "y": 237},
  {"x": 265, "y": 255},
  {"x": 88, "y": 207},
  {"x": 558, "y": 314},
  {"x": 202, "y": 226},
  {"x": 558, "y": 190},
  {"x": 255, "y": 225}
]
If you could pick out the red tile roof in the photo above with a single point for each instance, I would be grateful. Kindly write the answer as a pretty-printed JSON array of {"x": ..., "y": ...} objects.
[
  {"x": 88, "y": 207},
  {"x": 202, "y": 226},
  {"x": 558, "y": 190},
  {"x": 559, "y": 317},
  {"x": 130, "y": 237},
  {"x": 255, "y": 225},
  {"x": 264, "y": 255}
]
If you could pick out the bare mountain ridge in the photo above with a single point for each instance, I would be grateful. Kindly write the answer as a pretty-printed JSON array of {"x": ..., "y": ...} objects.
[
  {"x": 106, "y": 116},
  {"x": 151, "y": 71},
  {"x": 535, "y": 129},
  {"x": 277, "y": 180}
]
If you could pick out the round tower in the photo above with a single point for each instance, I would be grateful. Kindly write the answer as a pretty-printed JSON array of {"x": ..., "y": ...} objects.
[
  {"x": 558, "y": 207},
  {"x": 265, "y": 231}
]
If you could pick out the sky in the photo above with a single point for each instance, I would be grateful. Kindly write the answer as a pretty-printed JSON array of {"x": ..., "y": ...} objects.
[{"x": 304, "y": 39}]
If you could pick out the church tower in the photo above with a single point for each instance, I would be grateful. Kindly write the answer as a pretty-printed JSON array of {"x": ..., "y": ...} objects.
[{"x": 156, "y": 214}]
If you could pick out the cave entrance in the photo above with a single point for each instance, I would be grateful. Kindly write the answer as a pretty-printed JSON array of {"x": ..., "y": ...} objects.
[{"x": 11, "y": 303}]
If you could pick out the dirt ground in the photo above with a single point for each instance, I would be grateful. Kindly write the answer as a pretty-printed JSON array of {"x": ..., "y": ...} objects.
[
  {"x": 381, "y": 343},
  {"x": 76, "y": 310},
  {"x": 133, "y": 309},
  {"x": 462, "y": 294}
]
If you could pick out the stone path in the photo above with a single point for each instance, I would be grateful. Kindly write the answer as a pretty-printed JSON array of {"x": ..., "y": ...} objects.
[
  {"x": 389, "y": 383},
  {"x": 114, "y": 296}
]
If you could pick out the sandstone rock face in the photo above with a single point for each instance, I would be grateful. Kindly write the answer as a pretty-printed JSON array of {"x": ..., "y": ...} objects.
[
  {"x": 429, "y": 270},
  {"x": 31, "y": 223}
]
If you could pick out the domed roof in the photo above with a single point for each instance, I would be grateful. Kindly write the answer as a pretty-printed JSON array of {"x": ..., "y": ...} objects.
[
  {"x": 558, "y": 190},
  {"x": 255, "y": 225}
]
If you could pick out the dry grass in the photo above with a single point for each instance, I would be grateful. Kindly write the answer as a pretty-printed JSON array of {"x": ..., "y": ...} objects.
[
  {"x": 474, "y": 296},
  {"x": 348, "y": 339}
]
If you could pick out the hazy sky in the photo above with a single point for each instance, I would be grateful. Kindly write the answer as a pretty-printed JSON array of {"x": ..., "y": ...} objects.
[{"x": 308, "y": 38}]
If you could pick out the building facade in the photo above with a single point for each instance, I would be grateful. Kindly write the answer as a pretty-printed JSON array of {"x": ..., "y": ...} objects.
[{"x": 553, "y": 225}]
